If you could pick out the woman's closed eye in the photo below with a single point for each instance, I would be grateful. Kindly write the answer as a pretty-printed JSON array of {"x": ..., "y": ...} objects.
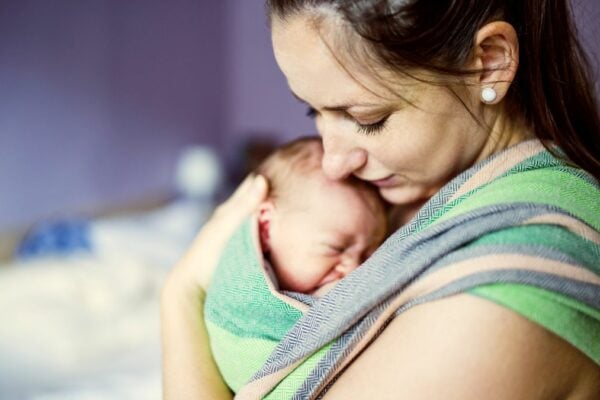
[
  {"x": 367, "y": 129},
  {"x": 370, "y": 129}
]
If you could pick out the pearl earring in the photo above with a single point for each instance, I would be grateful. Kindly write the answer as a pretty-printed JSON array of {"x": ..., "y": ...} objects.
[{"x": 488, "y": 95}]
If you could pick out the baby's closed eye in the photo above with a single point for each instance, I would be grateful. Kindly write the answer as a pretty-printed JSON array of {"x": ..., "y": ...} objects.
[{"x": 332, "y": 248}]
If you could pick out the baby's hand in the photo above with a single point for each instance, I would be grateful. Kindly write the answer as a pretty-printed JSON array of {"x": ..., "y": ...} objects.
[{"x": 196, "y": 267}]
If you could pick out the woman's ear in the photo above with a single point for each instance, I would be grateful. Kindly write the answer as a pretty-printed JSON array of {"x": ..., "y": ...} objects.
[
  {"x": 497, "y": 56},
  {"x": 265, "y": 216}
]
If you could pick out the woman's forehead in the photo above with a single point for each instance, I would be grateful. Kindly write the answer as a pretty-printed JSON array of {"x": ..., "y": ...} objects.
[
  {"x": 322, "y": 72},
  {"x": 307, "y": 61}
]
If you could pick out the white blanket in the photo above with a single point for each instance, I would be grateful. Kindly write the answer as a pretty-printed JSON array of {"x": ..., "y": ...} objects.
[{"x": 80, "y": 328}]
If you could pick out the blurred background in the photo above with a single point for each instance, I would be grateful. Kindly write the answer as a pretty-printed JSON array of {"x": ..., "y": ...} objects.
[
  {"x": 99, "y": 97},
  {"x": 121, "y": 124}
]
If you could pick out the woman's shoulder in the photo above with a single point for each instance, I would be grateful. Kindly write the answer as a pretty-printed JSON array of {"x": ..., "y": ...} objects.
[
  {"x": 498, "y": 341},
  {"x": 569, "y": 233},
  {"x": 468, "y": 348}
]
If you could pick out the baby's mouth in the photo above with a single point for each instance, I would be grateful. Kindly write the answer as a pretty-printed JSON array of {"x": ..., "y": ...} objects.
[
  {"x": 324, "y": 288},
  {"x": 327, "y": 282},
  {"x": 332, "y": 276}
]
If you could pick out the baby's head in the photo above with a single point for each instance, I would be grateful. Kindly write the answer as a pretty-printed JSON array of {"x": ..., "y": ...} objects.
[{"x": 313, "y": 230}]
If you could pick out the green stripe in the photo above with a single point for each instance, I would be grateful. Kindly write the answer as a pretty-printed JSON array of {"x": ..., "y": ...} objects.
[
  {"x": 238, "y": 358},
  {"x": 239, "y": 298},
  {"x": 549, "y": 236},
  {"x": 290, "y": 385},
  {"x": 543, "y": 159},
  {"x": 552, "y": 186},
  {"x": 571, "y": 320}
]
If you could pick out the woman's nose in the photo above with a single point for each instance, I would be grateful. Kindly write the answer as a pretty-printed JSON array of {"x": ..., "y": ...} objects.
[{"x": 340, "y": 160}]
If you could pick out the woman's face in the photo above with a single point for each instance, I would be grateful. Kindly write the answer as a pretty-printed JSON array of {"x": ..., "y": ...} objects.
[{"x": 407, "y": 151}]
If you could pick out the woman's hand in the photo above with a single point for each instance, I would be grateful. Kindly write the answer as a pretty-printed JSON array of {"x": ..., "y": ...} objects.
[
  {"x": 195, "y": 269},
  {"x": 189, "y": 370}
]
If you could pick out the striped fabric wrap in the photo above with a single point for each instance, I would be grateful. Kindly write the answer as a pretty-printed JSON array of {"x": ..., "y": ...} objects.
[{"x": 521, "y": 229}]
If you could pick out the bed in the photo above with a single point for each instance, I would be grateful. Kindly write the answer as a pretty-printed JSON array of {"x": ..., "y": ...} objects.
[{"x": 84, "y": 323}]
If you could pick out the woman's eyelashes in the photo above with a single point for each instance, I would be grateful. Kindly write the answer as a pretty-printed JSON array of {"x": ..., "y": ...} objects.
[
  {"x": 371, "y": 129},
  {"x": 367, "y": 129}
]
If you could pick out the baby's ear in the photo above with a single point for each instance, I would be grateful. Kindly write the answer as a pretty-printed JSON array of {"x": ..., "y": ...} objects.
[{"x": 265, "y": 215}]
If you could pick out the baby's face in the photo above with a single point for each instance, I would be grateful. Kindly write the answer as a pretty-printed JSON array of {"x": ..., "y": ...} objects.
[{"x": 327, "y": 234}]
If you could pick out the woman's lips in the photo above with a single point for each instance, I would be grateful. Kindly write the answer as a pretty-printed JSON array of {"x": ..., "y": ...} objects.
[{"x": 388, "y": 181}]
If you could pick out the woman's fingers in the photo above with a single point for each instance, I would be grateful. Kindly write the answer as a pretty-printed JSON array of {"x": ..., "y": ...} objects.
[
  {"x": 245, "y": 200},
  {"x": 249, "y": 194},
  {"x": 202, "y": 257}
]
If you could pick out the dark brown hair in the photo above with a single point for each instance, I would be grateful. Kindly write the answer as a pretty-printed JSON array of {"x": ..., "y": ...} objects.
[{"x": 553, "y": 88}]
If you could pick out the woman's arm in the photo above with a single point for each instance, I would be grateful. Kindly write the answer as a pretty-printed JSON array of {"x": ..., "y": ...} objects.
[
  {"x": 467, "y": 348},
  {"x": 189, "y": 370}
]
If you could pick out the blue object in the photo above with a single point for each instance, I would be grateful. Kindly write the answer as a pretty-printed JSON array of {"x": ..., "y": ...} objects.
[{"x": 56, "y": 238}]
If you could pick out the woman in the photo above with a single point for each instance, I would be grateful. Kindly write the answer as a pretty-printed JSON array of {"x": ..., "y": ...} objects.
[{"x": 444, "y": 107}]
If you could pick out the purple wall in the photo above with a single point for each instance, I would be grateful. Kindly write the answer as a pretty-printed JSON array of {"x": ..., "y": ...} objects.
[
  {"x": 258, "y": 96},
  {"x": 587, "y": 15},
  {"x": 98, "y": 97}
]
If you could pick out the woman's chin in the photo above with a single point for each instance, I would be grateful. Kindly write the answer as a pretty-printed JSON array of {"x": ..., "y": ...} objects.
[{"x": 401, "y": 195}]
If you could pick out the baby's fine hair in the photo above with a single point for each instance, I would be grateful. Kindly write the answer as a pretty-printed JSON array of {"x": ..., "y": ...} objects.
[
  {"x": 288, "y": 167},
  {"x": 290, "y": 162}
]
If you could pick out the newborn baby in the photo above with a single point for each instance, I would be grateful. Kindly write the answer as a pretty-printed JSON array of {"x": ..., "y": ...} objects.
[
  {"x": 307, "y": 235},
  {"x": 315, "y": 231}
]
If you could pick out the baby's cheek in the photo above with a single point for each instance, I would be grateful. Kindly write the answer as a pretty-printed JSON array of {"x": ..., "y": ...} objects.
[
  {"x": 297, "y": 278},
  {"x": 312, "y": 274}
]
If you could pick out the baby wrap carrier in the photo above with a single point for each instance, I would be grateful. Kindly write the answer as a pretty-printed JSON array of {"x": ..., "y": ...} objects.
[{"x": 520, "y": 229}]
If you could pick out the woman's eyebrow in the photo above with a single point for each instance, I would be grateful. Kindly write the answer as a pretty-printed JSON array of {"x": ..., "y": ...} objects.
[{"x": 341, "y": 107}]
